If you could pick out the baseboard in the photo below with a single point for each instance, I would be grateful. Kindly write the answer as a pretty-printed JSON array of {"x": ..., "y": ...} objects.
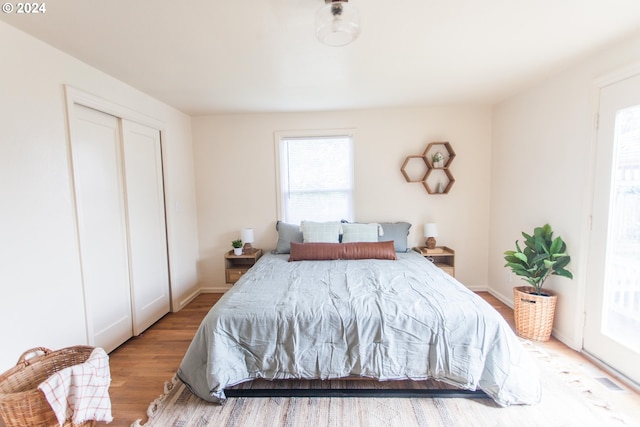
[
  {"x": 506, "y": 300},
  {"x": 205, "y": 290},
  {"x": 187, "y": 300},
  {"x": 214, "y": 289},
  {"x": 566, "y": 340}
]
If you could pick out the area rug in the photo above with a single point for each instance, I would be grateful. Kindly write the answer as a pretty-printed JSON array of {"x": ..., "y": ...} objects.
[{"x": 570, "y": 398}]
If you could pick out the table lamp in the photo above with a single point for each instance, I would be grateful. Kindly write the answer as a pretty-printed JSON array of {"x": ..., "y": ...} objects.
[
  {"x": 430, "y": 232},
  {"x": 247, "y": 238}
]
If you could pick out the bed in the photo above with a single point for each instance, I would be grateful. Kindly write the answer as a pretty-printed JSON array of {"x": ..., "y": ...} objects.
[{"x": 384, "y": 319}]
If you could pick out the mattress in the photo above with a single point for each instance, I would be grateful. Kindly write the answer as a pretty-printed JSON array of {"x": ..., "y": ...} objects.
[{"x": 381, "y": 319}]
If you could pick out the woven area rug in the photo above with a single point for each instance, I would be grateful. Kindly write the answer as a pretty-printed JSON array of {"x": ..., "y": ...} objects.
[{"x": 570, "y": 398}]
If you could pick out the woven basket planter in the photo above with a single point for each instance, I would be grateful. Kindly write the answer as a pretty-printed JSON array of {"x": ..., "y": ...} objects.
[
  {"x": 21, "y": 402},
  {"x": 533, "y": 313}
]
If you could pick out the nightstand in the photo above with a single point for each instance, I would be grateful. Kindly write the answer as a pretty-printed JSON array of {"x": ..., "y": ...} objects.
[
  {"x": 442, "y": 256},
  {"x": 236, "y": 265}
]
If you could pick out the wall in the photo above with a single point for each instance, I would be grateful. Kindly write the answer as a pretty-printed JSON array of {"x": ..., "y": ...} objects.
[
  {"x": 40, "y": 277},
  {"x": 236, "y": 179},
  {"x": 541, "y": 172}
]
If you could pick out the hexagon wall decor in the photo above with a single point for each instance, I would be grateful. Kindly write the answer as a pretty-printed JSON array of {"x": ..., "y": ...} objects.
[{"x": 438, "y": 179}]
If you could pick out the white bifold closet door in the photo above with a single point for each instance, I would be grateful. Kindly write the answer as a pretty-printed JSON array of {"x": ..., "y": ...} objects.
[{"x": 121, "y": 222}]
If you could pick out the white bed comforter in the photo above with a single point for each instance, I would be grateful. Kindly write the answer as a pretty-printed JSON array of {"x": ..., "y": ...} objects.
[{"x": 403, "y": 319}]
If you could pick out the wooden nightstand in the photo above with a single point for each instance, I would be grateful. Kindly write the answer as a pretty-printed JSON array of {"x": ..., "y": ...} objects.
[
  {"x": 442, "y": 256},
  {"x": 236, "y": 265}
]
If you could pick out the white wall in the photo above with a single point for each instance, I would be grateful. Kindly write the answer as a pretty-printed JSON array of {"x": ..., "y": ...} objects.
[
  {"x": 235, "y": 178},
  {"x": 537, "y": 142},
  {"x": 541, "y": 172},
  {"x": 40, "y": 278}
]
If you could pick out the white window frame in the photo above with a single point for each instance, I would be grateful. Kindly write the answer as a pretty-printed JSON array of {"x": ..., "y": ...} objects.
[{"x": 280, "y": 159}]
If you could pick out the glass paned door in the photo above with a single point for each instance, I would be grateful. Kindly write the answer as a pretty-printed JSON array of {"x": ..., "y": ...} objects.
[
  {"x": 621, "y": 313},
  {"x": 612, "y": 322}
]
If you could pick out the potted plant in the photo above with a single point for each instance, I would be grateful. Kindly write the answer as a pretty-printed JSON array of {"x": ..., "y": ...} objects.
[
  {"x": 541, "y": 257},
  {"x": 237, "y": 246},
  {"x": 437, "y": 158}
]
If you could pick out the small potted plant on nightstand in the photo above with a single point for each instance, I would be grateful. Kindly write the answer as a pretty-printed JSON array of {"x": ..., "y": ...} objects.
[
  {"x": 237, "y": 246},
  {"x": 533, "y": 306}
]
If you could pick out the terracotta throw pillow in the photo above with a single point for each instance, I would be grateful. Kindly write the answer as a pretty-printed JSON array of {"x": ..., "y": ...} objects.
[{"x": 335, "y": 251}]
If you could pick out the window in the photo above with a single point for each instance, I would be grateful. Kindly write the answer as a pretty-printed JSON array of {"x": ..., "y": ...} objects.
[{"x": 315, "y": 177}]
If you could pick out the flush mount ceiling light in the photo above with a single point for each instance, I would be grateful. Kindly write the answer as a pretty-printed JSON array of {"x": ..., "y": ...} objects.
[{"x": 337, "y": 23}]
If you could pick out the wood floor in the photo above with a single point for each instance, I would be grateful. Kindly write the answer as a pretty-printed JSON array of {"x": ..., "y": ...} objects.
[{"x": 140, "y": 367}]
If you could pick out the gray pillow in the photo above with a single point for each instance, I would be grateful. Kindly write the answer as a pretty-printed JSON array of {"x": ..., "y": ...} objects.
[
  {"x": 398, "y": 232},
  {"x": 287, "y": 233}
]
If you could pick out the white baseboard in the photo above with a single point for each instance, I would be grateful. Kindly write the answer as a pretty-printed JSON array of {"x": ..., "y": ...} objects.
[
  {"x": 214, "y": 289},
  {"x": 194, "y": 294},
  {"x": 187, "y": 300},
  {"x": 566, "y": 340},
  {"x": 478, "y": 288},
  {"x": 506, "y": 300}
]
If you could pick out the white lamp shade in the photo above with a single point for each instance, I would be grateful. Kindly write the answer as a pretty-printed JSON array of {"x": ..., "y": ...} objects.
[
  {"x": 247, "y": 235},
  {"x": 337, "y": 23},
  {"x": 431, "y": 229}
]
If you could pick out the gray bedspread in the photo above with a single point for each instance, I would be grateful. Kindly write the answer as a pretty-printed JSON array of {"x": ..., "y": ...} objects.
[{"x": 403, "y": 319}]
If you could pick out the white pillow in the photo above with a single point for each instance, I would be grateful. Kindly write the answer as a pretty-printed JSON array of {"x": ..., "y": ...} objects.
[
  {"x": 360, "y": 232},
  {"x": 321, "y": 232}
]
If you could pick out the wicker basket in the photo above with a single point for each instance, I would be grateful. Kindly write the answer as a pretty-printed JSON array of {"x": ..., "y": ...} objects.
[
  {"x": 21, "y": 402},
  {"x": 533, "y": 313}
]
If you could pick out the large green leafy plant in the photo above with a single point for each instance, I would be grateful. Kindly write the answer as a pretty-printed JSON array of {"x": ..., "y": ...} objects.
[{"x": 541, "y": 257}]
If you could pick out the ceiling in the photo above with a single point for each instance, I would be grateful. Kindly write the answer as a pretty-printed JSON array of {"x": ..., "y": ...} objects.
[{"x": 207, "y": 57}]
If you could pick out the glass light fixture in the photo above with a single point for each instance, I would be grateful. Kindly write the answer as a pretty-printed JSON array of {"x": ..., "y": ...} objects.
[{"x": 337, "y": 23}]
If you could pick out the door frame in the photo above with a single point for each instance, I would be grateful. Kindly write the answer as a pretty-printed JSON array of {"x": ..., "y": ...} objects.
[
  {"x": 74, "y": 96},
  {"x": 598, "y": 84}
]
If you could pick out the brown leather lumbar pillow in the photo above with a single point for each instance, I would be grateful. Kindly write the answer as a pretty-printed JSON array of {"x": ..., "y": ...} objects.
[{"x": 334, "y": 251}]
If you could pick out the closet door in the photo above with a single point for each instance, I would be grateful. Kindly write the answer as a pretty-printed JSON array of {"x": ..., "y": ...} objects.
[
  {"x": 149, "y": 273},
  {"x": 98, "y": 180}
]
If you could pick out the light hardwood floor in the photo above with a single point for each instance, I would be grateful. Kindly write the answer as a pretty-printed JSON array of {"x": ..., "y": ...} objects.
[{"x": 140, "y": 367}]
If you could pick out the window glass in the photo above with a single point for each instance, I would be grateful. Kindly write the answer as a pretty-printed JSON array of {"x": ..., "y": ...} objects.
[{"x": 316, "y": 178}]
